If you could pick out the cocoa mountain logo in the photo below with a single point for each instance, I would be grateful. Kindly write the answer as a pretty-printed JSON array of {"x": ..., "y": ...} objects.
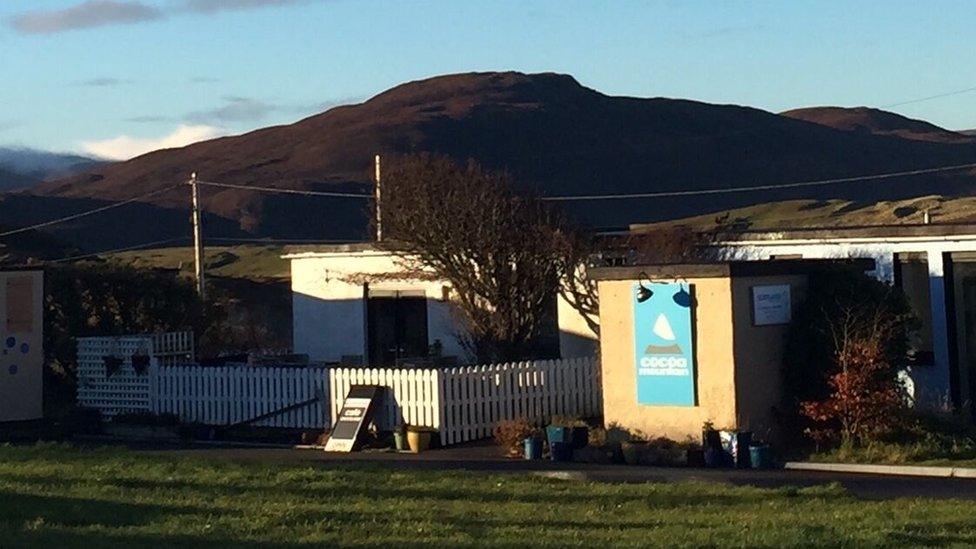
[{"x": 663, "y": 344}]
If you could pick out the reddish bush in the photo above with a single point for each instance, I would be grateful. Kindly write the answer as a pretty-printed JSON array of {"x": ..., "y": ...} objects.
[{"x": 865, "y": 397}]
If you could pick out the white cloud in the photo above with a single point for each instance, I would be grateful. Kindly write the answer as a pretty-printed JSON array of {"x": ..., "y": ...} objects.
[
  {"x": 89, "y": 14},
  {"x": 210, "y": 6},
  {"x": 125, "y": 147},
  {"x": 99, "y": 13}
]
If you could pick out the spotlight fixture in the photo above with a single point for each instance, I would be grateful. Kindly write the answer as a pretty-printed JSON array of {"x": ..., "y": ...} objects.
[
  {"x": 643, "y": 292},
  {"x": 682, "y": 297}
]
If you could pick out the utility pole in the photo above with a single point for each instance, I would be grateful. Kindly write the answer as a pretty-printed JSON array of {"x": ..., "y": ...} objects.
[
  {"x": 379, "y": 212},
  {"x": 197, "y": 238}
]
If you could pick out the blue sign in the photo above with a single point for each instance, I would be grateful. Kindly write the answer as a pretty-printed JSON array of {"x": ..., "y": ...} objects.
[{"x": 664, "y": 352}]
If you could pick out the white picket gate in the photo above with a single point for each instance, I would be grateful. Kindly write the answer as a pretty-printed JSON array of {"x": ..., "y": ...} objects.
[
  {"x": 465, "y": 403},
  {"x": 229, "y": 395}
]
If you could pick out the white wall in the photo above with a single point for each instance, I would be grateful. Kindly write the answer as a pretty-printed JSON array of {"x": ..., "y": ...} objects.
[
  {"x": 576, "y": 339},
  {"x": 329, "y": 309}
]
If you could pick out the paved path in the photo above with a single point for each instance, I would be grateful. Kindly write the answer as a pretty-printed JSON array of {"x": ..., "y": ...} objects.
[{"x": 486, "y": 460}]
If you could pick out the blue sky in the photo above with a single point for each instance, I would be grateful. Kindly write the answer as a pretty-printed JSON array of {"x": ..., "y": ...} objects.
[{"x": 116, "y": 77}]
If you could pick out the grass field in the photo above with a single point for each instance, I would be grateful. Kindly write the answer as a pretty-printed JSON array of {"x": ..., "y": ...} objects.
[{"x": 57, "y": 496}]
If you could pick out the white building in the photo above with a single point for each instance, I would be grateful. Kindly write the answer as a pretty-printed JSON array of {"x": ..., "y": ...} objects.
[
  {"x": 357, "y": 304},
  {"x": 936, "y": 267}
]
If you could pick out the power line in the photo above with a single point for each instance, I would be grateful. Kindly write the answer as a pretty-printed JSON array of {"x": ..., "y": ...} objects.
[
  {"x": 86, "y": 213},
  {"x": 760, "y": 187},
  {"x": 280, "y": 240},
  {"x": 284, "y": 191},
  {"x": 661, "y": 194},
  {"x": 920, "y": 99},
  {"x": 118, "y": 250}
]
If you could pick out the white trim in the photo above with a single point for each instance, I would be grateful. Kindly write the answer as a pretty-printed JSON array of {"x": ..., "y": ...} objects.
[{"x": 848, "y": 240}]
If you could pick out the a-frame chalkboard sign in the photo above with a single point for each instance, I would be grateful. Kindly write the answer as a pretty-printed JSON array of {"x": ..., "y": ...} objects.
[{"x": 353, "y": 418}]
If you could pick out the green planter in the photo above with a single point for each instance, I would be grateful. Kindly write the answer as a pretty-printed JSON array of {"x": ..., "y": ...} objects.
[
  {"x": 400, "y": 440},
  {"x": 761, "y": 456}
]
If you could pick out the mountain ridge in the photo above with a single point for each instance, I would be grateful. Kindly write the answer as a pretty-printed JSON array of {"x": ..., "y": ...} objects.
[{"x": 553, "y": 134}]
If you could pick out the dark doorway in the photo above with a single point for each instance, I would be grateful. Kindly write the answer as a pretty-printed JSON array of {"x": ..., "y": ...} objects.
[{"x": 396, "y": 323}]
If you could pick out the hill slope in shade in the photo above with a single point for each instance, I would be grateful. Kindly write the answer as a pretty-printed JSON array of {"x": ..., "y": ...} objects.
[
  {"x": 10, "y": 179},
  {"x": 878, "y": 122},
  {"x": 549, "y": 131}
]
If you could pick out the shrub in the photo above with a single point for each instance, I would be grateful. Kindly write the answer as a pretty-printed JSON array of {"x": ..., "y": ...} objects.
[
  {"x": 567, "y": 421},
  {"x": 865, "y": 398},
  {"x": 845, "y": 349},
  {"x": 510, "y": 434}
]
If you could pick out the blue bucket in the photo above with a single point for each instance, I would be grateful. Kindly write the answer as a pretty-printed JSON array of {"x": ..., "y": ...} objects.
[
  {"x": 533, "y": 448},
  {"x": 558, "y": 434}
]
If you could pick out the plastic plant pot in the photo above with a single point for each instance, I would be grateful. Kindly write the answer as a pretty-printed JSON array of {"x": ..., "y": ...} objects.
[
  {"x": 400, "y": 439},
  {"x": 533, "y": 448},
  {"x": 560, "y": 451},
  {"x": 579, "y": 437},
  {"x": 736, "y": 444},
  {"x": 418, "y": 439},
  {"x": 555, "y": 433},
  {"x": 760, "y": 455},
  {"x": 716, "y": 457}
]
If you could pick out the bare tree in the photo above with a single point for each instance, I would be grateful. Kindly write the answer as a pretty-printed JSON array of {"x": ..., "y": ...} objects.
[
  {"x": 575, "y": 252},
  {"x": 496, "y": 247}
]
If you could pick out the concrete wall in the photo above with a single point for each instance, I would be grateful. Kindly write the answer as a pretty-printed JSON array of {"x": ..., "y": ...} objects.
[
  {"x": 759, "y": 354},
  {"x": 22, "y": 355},
  {"x": 329, "y": 308},
  {"x": 714, "y": 363}
]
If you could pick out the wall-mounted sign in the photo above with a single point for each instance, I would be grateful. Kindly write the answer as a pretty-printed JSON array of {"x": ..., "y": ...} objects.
[
  {"x": 664, "y": 346},
  {"x": 771, "y": 305}
]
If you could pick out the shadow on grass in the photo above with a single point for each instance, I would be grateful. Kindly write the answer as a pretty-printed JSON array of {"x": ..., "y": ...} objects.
[
  {"x": 28, "y": 520},
  {"x": 441, "y": 489}
]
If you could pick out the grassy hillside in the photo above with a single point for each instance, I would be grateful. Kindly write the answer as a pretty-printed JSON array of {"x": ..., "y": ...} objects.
[
  {"x": 834, "y": 213},
  {"x": 256, "y": 263}
]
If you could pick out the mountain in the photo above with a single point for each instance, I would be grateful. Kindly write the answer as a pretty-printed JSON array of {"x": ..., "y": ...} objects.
[
  {"x": 553, "y": 134},
  {"x": 878, "y": 122},
  {"x": 24, "y": 167},
  {"x": 10, "y": 179}
]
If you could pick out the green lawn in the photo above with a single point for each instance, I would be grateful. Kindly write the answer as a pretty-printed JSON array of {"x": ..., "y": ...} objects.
[{"x": 63, "y": 497}]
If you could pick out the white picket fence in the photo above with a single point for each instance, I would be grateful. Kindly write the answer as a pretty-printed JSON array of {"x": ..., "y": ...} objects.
[
  {"x": 465, "y": 403},
  {"x": 230, "y": 395},
  {"x": 461, "y": 403}
]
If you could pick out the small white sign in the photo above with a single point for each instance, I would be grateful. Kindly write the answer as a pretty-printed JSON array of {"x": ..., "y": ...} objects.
[{"x": 771, "y": 305}]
